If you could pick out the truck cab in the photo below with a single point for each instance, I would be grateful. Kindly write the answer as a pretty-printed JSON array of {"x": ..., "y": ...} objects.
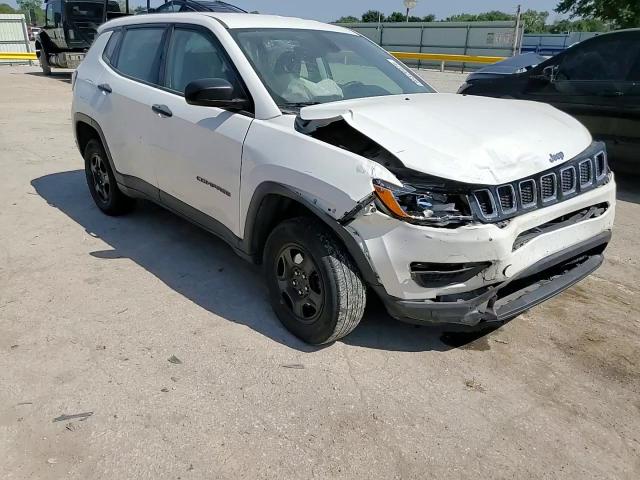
[{"x": 69, "y": 30}]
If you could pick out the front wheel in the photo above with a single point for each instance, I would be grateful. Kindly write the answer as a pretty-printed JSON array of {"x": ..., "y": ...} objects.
[
  {"x": 44, "y": 62},
  {"x": 315, "y": 289}
]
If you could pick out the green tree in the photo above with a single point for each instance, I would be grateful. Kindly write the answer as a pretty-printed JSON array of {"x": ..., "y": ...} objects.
[
  {"x": 4, "y": 8},
  {"x": 493, "y": 15},
  {"x": 622, "y": 13},
  {"x": 348, "y": 19},
  {"x": 32, "y": 10},
  {"x": 373, "y": 16},
  {"x": 580, "y": 25},
  {"x": 396, "y": 17},
  {"x": 534, "y": 21}
]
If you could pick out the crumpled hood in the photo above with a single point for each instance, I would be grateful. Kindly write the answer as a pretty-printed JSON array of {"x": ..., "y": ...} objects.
[{"x": 465, "y": 138}]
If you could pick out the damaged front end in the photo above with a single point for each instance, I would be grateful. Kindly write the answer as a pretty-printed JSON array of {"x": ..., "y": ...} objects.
[{"x": 418, "y": 198}]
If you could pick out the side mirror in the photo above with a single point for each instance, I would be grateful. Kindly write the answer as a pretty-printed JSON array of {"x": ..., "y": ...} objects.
[
  {"x": 550, "y": 72},
  {"x": 214, "y": 92}
]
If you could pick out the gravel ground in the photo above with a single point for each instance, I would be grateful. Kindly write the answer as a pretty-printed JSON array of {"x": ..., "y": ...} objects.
[{"x": 163, "y": 343}]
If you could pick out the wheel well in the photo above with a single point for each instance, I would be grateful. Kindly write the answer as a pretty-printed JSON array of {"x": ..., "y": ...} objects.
[
  {"x": 84, "y": 133},
  {"x": 273, "y": 209}
]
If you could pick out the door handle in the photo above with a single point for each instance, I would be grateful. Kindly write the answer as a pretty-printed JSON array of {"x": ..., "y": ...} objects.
[
  {"x": 105, "y": 88},
  {"x": 162, "y": 110},
  {"x": 612, "y": 93}
]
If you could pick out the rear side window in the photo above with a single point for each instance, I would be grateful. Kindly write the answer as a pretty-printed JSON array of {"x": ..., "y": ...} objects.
[
  {"x": 111, "y": 46},
  {"x": 140, "y": 54}
]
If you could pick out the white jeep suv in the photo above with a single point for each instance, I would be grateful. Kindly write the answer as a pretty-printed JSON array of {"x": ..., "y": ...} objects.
[{"x": 311, "y": 150}]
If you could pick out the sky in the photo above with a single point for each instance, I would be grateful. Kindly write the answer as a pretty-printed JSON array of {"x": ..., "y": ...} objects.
[{"x": 330, "y": 10}]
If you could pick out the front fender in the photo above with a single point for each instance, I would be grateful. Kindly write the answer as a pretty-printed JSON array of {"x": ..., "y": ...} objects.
[{"x": 331, "y": 179}]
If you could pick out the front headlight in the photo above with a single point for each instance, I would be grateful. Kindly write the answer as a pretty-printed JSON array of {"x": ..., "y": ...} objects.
[{"x": 423, "y": 204}]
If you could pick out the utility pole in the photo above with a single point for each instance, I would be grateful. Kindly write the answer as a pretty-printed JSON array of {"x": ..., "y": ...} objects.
[{"x": 516, "y": 33}]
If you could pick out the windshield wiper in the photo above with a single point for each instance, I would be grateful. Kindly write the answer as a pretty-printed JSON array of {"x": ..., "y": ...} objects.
[{"x": 296, "y": 105}]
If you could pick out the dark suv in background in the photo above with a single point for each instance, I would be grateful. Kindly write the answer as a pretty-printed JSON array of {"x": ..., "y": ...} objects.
[
  {"x": 597, "y": 81},
  {"x": 196, "y": 6}
]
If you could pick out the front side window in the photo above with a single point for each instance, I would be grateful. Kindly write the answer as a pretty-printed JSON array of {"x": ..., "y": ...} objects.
[
  {"x": 49, "y": 15},
  {"x": 303, "y": 67},
  {"x": 140, "y": 53},
  {"x": 194, "y": 55}
]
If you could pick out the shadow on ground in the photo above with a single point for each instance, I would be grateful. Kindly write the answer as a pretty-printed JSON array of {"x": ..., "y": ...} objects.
[
  {"x": 60, "y": 76},
  {"x": 204, "y": 269}
]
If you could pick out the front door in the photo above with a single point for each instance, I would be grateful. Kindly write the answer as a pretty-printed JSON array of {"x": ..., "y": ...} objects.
[{"x": 199, "y": 149}]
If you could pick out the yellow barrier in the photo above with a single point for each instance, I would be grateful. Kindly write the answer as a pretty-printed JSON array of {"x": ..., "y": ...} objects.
[
  {"x": 443, "y": 57},
  {"x": 18, "y": 56}
]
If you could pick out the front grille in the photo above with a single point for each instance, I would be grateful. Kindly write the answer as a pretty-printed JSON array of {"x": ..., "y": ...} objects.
[
  {"x": 584, "y": 172},
  {"x": 528, "y": 193},
  {"x": 568, "y": 180},
  {"x": 485, "y": 201},
  {"x": 548, "y": 187},
  {"x": 507, "y": 196},
  {"x": 601, "y": 165}
]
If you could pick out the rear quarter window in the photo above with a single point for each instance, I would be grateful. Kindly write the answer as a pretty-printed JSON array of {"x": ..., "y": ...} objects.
[{"x": 112, "y": 45}]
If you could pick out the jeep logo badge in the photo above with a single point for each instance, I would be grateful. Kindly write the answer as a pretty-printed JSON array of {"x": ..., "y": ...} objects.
[{"x": 555, "y": 157}]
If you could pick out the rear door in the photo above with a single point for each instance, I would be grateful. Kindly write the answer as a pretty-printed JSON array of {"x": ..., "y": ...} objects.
[
  {"x": 199, "y": 149},
  {"x": 130, "y": 84}
]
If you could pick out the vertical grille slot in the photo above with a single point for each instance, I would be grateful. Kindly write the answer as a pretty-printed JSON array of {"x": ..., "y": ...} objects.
[
  {"x": 586, "y": 173},
  {"x": 507, "y": 198},
  {"x": 528, "y": 193},
  {"x": 568, "y": 180},
  {"x": 486, "y": 203},
  {"x": 601, "y": 165},
  {"x": 548, "y": 187}
]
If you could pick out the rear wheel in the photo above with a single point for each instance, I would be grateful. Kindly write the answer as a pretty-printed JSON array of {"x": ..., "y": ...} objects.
[
  {"x": 314, "y": 287},
  {"x": 102, "y": 183}
]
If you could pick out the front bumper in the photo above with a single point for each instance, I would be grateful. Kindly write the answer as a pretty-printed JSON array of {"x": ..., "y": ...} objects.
[
  {"x": 506, "y": 300},
  {"x": 520, "y": 274}
]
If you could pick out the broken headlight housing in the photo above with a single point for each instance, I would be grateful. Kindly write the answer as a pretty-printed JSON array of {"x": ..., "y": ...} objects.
[{"x": 425, "y": 203}]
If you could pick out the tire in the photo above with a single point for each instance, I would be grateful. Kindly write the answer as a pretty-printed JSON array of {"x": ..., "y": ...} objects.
[
  {"x": 102, "y": 183},
  {"x": 44, "y": 62},
  {"x": 314, "y": 287}
]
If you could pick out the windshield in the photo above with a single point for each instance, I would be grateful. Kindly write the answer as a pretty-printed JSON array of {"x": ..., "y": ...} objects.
[{"x": 306, "y": 67}]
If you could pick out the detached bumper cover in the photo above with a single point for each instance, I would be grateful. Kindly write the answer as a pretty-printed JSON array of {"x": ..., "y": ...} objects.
[{"x": 503, "y": 301}]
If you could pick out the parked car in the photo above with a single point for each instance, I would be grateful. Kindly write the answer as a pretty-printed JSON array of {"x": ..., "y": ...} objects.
[
  {"x": 314, "y": 152},
  {"x": 597, "y": 81},
  {"x": 33, "y": 32},
  {"x": 196, "y": 6},
  {"x": 518, "y": 64}
]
